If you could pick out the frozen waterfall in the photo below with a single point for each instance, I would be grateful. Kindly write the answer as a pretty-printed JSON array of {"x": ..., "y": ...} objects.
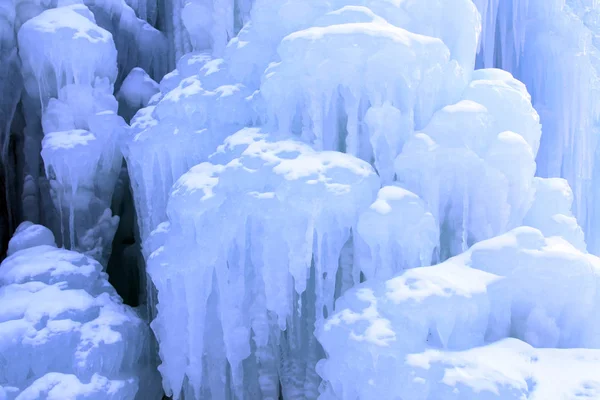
[{"x": 299, "y": 199}]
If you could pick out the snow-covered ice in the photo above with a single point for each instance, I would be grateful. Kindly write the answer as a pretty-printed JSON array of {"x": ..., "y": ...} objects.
[
  {"x": 266, "y": 231},
  {"x": 441, "y": 332},
  {"x": 342, "y": 199},
  {"x": 64, "y": 332}
]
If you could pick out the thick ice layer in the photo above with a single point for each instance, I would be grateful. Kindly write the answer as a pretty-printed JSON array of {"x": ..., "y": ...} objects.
[
  {"x": 395, "y": 233},
  {"x": 540, "y": 290},
  {"x": 65, "y": 332},
  {"x": 182, "y": 129},
  {"x": 252, "y": 249},
  {"x": 473, "y": 164},
  {"x": 319, "y": 91},
  {"x": 62, "y": 46}
]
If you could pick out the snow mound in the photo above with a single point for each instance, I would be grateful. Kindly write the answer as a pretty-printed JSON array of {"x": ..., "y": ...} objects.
[
  {"x": 65, "y": 332},
  {"x": 508, "y": 369},
  {"x": 56, "y": 386},
  {"x": 265, "y": 231},
  {"x": 542, "y": 291}
]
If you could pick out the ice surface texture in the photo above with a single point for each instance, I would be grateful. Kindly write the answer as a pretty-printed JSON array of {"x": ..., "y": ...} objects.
[{"x": 65, "y": 333}]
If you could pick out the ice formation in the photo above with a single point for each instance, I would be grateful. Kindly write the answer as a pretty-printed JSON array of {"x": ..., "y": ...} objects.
[
  {"x": 275, "y": 289},
  {"x": 64, "y": 332},
  {"x": 79, "y": 118},
  {"x": 428, "y": 332},
  {"x": 308, "y": 199},
  {"x": 474, "y": 162}
]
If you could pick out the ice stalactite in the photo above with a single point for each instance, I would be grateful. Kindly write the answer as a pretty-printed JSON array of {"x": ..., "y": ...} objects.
[
  {"x": 138, "y": 42},
  {"x": 266, "y": 285},
  {"x": 372, "y": 110},
  {"x": 395, "y": 233},
  {"x": 10, "y": 94},
  {"x": 181, "y": 127},
  {"x": 135, "y": 93},
  {"x": 552, "y": 47},
  {"x": 486, "y": 143},
  {"x": 81, "y": 143}
]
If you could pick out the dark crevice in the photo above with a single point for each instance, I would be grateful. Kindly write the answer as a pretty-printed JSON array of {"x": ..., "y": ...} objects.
[{"x": 125, "y": 267}]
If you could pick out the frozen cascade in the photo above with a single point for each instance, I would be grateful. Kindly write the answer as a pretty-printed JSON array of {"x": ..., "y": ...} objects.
[
  {"x": 179, "y": 129},
  {"x": 386, "y": 152},
  {"x": 204, "y": 25},
  {"x": 138, "y": 42},
  {"x": 80, "y": 147},
  {"x": 10, "y": 93},
  {"x": 228, "y": 89},
  {"x": 486, "y": 143},
  {"x": 552, "y": 46},
  {"x": 395, "y": 233},
  {"x": 437, "y": 332},
  {"x": 424, "y": 79},
  {"x": 65, "y": 332},
  {"x": 265, "y": 284}
]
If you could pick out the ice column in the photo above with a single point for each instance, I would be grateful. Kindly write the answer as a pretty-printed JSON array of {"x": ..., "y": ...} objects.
[
  {"x": 71, "y": 63},
  {"x": 10, "y": 92}
]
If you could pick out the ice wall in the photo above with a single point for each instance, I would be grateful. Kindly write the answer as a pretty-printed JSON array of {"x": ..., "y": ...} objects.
[{"x": 65, "y": 332}]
